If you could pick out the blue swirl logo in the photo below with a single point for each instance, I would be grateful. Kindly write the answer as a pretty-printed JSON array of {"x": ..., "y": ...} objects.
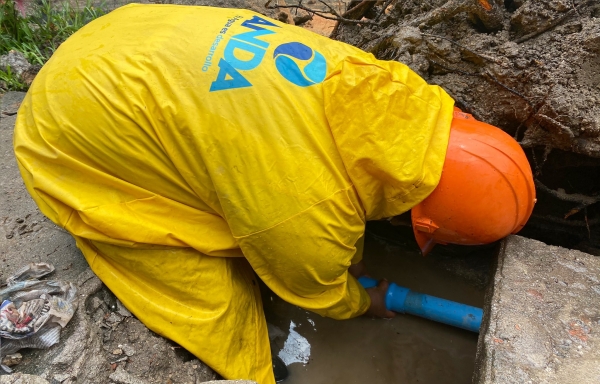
[{"x": 288, "y": 58}]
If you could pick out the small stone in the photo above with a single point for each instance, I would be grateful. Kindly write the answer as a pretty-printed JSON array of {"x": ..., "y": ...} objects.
[
  {"x": 114, "y": 318},
  {"x": 283, "y": 17},
  {"x": 117, "y": 351},
  {"x": 127, "y": 349},
  {"x": 10, "y": 360},
  {"x": 16, "y": 61},
  {"x": 60, "y": 377},
  {"x": 592, "y": 41},
  {"x": 122, "y": 310}
]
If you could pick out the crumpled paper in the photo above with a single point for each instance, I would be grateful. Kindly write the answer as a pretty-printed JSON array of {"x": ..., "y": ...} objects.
[{"x": 32, "y": 311}]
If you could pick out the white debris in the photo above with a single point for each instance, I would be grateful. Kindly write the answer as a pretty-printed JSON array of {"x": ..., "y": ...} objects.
[{"x": 296, "y": 348}]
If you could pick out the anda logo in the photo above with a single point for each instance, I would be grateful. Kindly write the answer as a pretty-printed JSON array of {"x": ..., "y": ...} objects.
[
  {"x": 290, "y": 58},
  {"x": 286, "y": 56}
]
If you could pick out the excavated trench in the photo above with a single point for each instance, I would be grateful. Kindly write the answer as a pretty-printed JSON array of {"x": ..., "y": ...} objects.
[
  {"x": 404, "y": 349},
  {"x": 531, "y": 68}
]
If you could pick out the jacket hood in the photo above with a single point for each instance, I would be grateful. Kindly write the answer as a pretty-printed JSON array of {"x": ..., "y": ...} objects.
[{"x": 391, "y": 129}]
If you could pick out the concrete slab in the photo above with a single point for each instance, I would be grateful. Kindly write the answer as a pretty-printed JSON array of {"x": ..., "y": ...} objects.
[{"x": 542, "y": 317}]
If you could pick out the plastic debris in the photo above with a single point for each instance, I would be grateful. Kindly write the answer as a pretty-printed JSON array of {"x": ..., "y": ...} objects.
[{"x": 33, "y": 311}]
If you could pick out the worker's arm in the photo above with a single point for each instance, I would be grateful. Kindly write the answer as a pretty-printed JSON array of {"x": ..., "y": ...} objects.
[
  {"x": 377, "y": 294},
  {"x": 305, "y": 259}
]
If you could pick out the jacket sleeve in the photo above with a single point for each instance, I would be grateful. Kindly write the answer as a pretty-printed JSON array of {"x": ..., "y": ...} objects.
[{"x": 305, "y": 258}]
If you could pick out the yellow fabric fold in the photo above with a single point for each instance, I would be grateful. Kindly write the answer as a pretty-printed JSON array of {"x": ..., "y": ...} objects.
[{"x": 168, "y": 138}]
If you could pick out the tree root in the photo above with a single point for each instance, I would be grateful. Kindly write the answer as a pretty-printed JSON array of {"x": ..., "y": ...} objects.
[
  {"x": 560, "y": 194},
  {"x": 554, "y": 23},
  {"x": 324, "y": 14},
  {"x": 489, "y": 12}
]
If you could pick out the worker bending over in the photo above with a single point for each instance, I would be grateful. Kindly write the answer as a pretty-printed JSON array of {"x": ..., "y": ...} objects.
[{"x": 191, "y": 151}]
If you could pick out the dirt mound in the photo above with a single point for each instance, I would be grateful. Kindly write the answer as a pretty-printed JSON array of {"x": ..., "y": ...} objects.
[{"x": 530, "y": 67}]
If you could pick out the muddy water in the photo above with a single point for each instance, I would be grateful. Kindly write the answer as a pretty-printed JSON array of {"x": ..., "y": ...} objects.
[{"x": 405, "y": 349}]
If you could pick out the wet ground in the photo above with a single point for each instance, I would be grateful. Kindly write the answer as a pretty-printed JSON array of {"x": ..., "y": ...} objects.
[{"x": 405, "y": 349}]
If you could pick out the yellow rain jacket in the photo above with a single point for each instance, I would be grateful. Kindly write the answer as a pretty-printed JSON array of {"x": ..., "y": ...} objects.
[{"x": 186, "y": 147}]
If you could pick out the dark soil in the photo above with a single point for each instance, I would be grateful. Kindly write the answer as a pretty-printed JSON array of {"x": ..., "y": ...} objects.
[{"x": 530, "y": 67}]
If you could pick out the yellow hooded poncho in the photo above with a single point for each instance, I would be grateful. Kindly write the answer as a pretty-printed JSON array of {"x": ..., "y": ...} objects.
[{"x": 184, "y": 147}]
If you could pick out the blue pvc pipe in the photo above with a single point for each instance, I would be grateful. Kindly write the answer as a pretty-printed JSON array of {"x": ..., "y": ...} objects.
[{"x": 403, "y": 300}]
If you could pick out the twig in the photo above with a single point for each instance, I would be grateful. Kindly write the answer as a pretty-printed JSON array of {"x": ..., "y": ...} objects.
[
  {"x": 534, "y": 111},
  {"x": 446, "y": 11},
  {"x": 491, "y": 78},
  {"x": 488, "y": 77},
  {"x": 587, "y": 224},
  {"x": 383, "y": 8},
  {"x": 462, "y": 46},
  {"x": 552, "y": 24},
  {"x": 321, "y": 14},
  {"x": 474, "y": 74},
  {"x": 567, "y": 223},
  {"x": 583, "y": 200},
  {"x": 349, "y": 14},
  {"x": 331, "y": 9},
  {"x": 560, "y": 128}
]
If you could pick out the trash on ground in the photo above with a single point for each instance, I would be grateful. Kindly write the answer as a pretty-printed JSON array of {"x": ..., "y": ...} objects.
[{"x": 33, "y": 311}]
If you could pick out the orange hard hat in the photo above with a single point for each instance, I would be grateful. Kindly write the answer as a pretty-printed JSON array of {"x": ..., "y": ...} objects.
[{"x": 486, "y": 191}]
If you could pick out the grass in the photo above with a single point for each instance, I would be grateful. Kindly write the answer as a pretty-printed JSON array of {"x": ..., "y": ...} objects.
[{"x": 38, "y": 34}]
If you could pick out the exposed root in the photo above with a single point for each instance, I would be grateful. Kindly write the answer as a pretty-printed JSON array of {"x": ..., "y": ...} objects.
[
  {"x": 332, "y": 14},
  {"x": 489, "y": 77},
  {"x": 488, "y": 12},
  {"x": 483, "y": 57},
  {"x": 582, "y": 200},
  {"x": 555, "y": 22}
]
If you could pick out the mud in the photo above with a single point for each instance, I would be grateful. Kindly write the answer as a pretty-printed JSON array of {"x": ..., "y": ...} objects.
[
  {"x": 405, "y": 349},
  {"x": 530, "y": 67}
]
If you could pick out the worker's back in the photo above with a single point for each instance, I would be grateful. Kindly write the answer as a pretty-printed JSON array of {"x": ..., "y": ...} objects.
[
  {"x": 219, "y": 129},
  {"x": 158, "y": 135}
]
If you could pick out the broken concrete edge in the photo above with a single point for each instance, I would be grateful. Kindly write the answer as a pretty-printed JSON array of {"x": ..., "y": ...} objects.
[
  {"x": 120, "y": 376},
  {"x": 482, "y": 353},
  {"x": 21, "y": 378},
  {"x": 541, "y": 316}
]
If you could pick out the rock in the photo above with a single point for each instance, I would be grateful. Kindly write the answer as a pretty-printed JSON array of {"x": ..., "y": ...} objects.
[
  {"x": 9, "y": 106},
  {"x": 16, "y": 61},
  {"x": 127, "y": 349},
  {"x": 405, "y": 35},
  {"x": 61, "y": 377},
  {"x": 11, "y": 360},
  {"x": 592, "y": 40},
  {"x": 122, "y": 310},
  {"x": 542, "y": 317},
  {"x": 120, "y": 376},
  {"x": 407, "y": 41},
  {"x": 20, "y": 378},
  {"x": 301, "y": 19}
]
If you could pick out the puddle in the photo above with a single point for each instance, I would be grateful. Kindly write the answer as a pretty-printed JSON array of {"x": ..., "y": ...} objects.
[{"x": 405, "y": 349}]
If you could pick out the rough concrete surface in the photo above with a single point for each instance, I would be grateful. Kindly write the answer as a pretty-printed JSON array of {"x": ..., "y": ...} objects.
[
  {"x": 103, "y": 342},
  {"x": 20, "y": 378},
  {"x": 542, "y": 317}
]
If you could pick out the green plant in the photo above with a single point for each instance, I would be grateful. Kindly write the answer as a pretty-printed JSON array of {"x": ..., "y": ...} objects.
[
  {"x": 11, "y": 81},
  {"x": 39, "y": 34}
]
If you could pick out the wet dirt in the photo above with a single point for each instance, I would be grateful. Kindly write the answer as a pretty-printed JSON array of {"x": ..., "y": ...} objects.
[
  {"x": 405, "y": 349},
  {"x": 530, "y": 67}
]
